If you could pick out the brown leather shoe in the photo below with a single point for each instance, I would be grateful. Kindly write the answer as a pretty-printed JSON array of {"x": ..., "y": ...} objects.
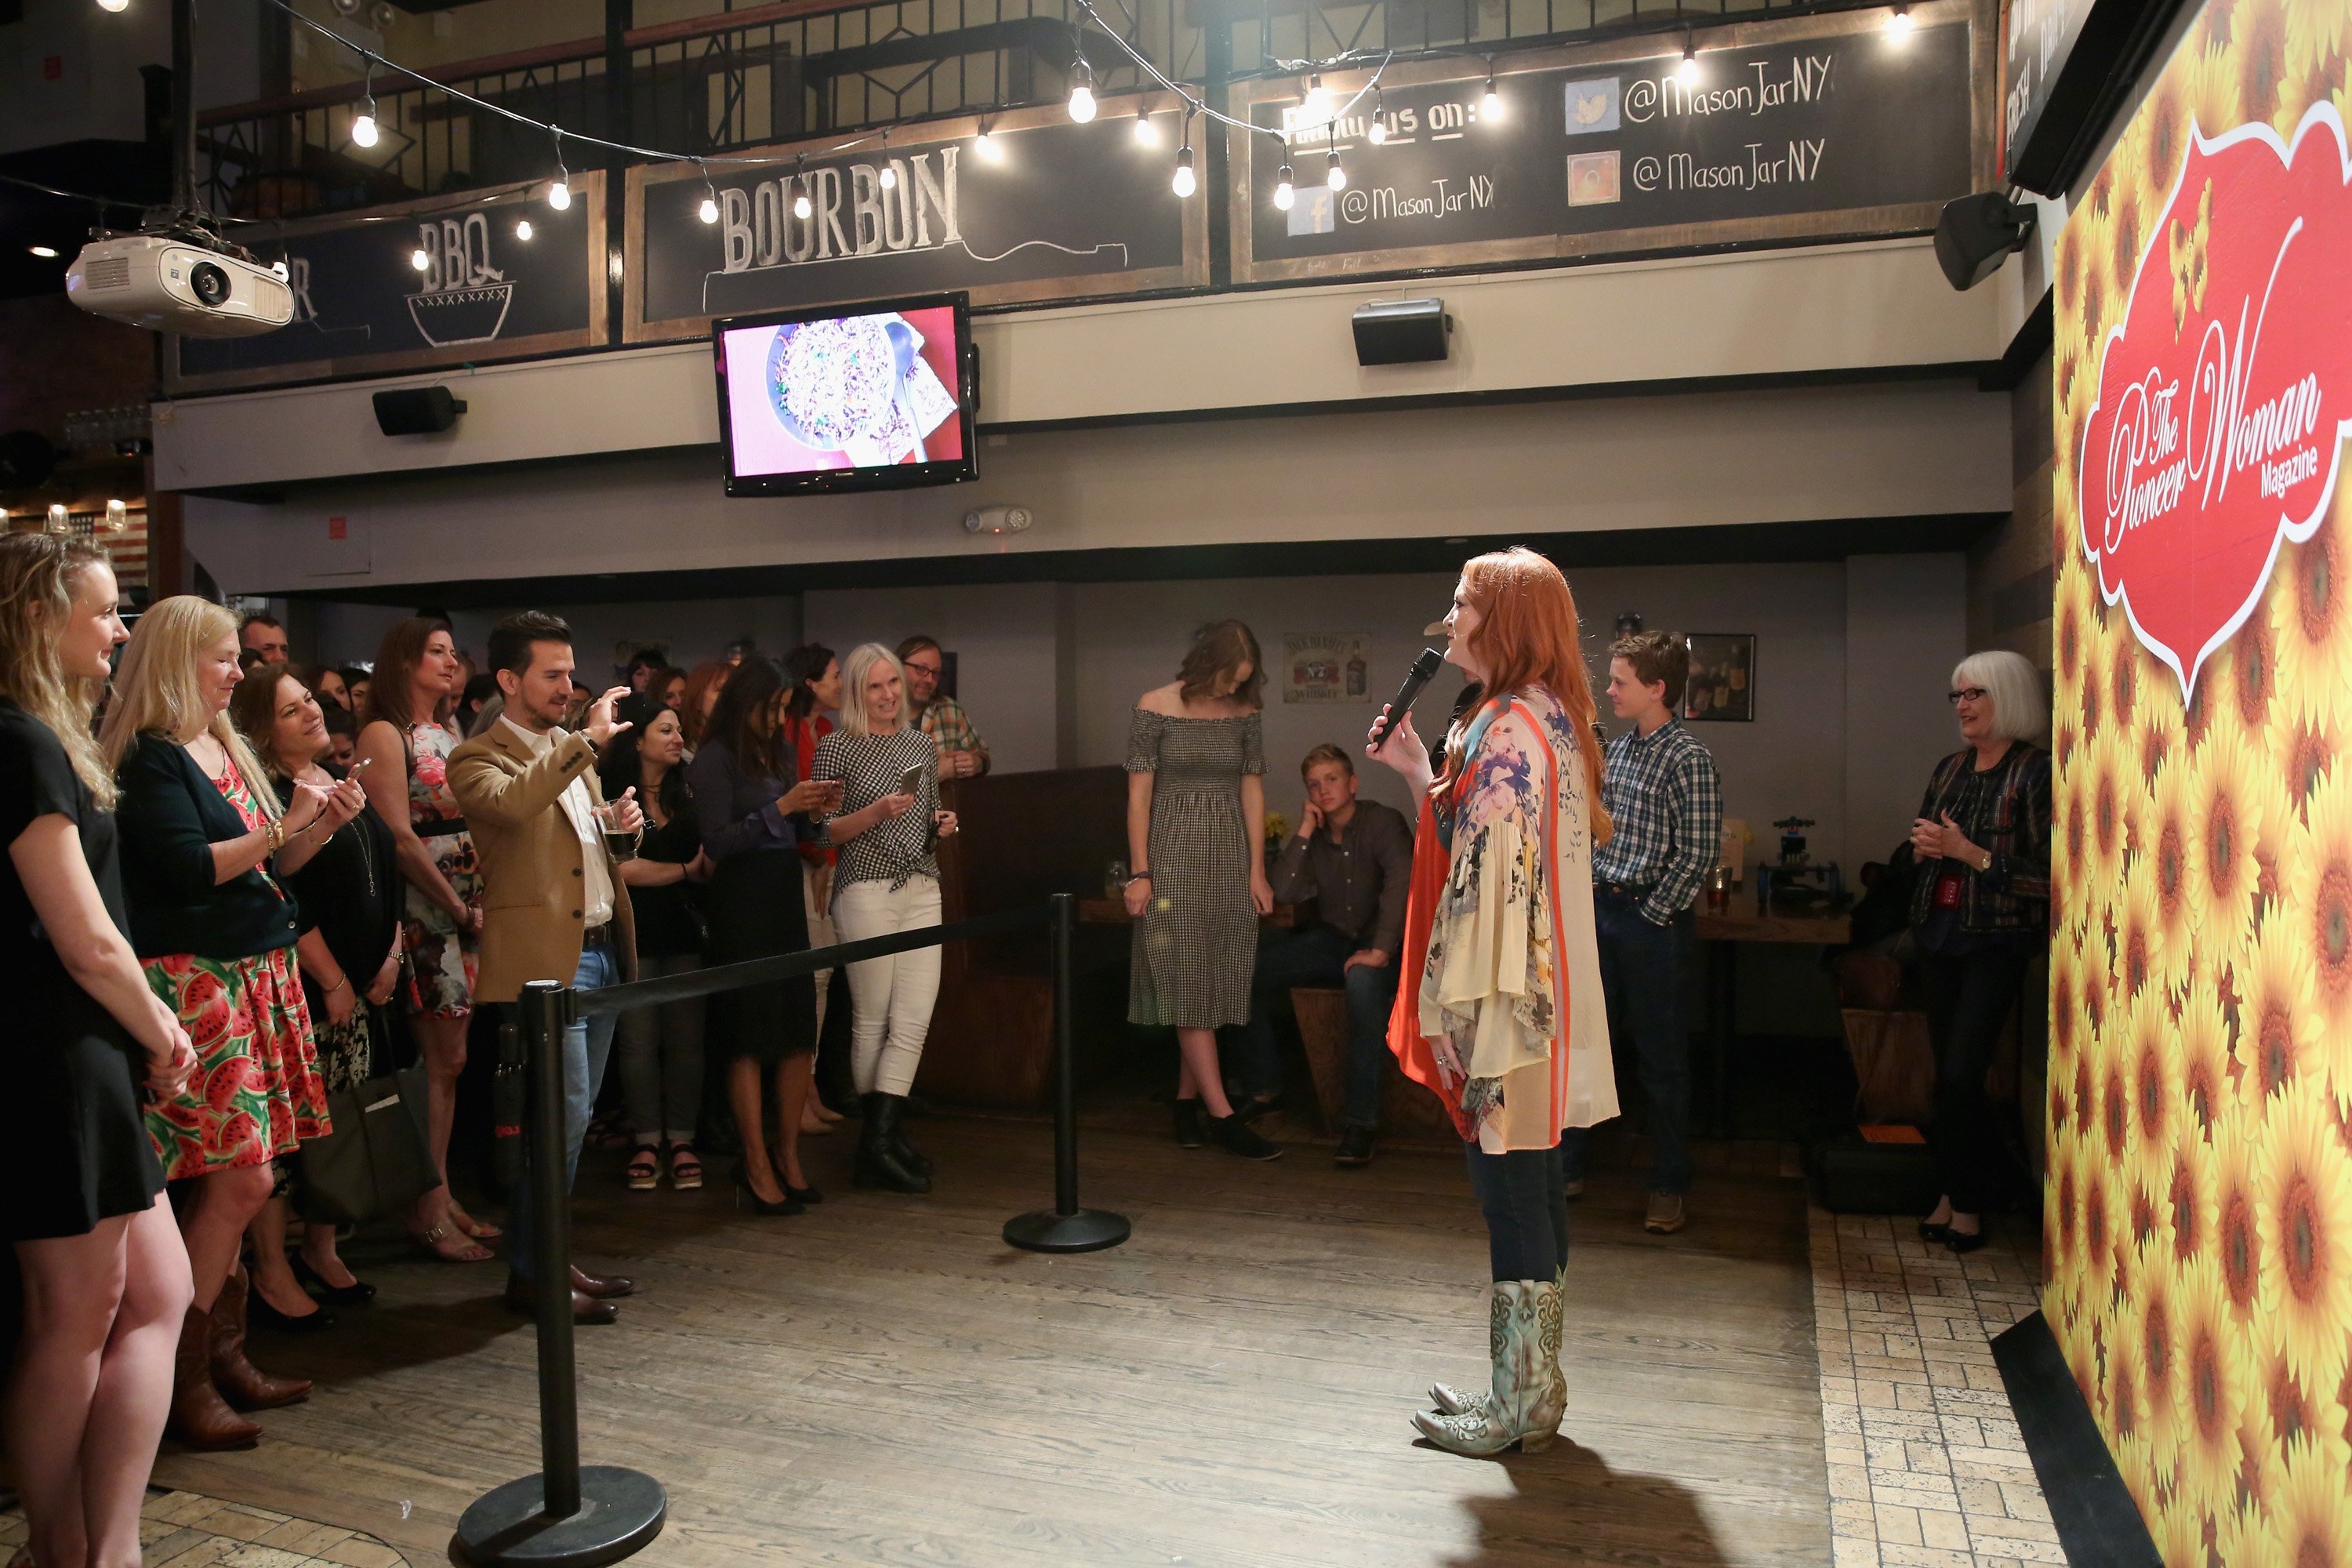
[
  {"x": 604, "y": 1289},
  {"x": 200, "y": 1418},
  {"x": 245, "y": 1385},
  {"x": 586, "y": 1309}
]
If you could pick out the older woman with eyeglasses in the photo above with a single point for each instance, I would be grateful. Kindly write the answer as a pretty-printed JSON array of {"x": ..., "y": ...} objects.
[{"x": 1979, "y": 910}]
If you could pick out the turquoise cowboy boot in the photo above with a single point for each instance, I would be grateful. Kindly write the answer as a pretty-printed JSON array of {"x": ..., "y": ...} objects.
[
  {"x": 1452, "y": 1401},
  {"x": 1523, "y": 1407}
]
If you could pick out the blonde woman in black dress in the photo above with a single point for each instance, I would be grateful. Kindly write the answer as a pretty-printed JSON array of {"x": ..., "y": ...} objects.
[{"x": 1196, "y": 844}]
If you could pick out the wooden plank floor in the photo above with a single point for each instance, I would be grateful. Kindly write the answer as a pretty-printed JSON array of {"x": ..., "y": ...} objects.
[{"x": 883, "y": 1381}]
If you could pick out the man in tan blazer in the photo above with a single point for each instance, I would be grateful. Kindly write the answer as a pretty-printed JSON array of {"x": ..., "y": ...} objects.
[{"x": 553, "y": 905}]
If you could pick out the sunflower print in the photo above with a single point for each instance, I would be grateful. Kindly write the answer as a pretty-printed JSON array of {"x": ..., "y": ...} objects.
[{"x": 2199, "y": 1201}]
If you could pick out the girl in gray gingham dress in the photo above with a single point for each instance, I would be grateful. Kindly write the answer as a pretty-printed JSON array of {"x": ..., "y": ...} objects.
[{"x": 1196, "y": 828}]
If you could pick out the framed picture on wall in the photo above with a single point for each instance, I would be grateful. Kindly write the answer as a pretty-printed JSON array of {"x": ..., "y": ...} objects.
[{"x": 1722, "y": 677}]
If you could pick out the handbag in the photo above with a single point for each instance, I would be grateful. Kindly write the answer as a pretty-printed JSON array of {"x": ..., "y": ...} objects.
[{"x": 377, "y": 1160}]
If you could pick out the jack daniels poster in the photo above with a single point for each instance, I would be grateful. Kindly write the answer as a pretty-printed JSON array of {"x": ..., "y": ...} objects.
[
  {"x": 362, "y": 307},
  {"x": 1784, "y": 131},
  {"x": 1053, "y": 210}
]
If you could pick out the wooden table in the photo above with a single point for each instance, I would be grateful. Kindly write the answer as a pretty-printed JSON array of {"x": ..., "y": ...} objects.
[{"x": 1723, "y": 933}]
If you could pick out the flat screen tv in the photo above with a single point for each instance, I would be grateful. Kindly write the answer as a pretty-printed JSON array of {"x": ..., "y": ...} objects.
[{"x": 858, "y": 397}]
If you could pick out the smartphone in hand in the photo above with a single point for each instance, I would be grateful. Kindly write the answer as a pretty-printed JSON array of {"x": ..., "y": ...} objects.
[{"x": 910, "y": 782}]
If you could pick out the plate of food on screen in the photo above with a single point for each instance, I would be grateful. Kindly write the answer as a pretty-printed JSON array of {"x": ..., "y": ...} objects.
[{"x": 857, "y": 386}]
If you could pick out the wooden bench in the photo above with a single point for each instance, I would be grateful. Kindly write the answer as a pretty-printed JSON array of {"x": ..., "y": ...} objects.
[{"x": 1409, "y": 1113}]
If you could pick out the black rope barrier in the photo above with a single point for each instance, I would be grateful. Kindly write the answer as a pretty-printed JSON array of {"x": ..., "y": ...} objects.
[{"x": 575, "y": 1516}]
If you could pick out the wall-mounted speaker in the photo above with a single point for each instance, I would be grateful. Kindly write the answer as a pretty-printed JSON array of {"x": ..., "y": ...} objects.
[
  {"x": 417, "y": 411},
  {"x": 1401, "y": 331}
]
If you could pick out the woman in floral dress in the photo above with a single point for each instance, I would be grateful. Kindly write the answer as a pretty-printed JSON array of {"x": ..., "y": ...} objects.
[
  {"x": 403, "y": 753},
  {"x": 1499, "y": 1012},
  {"x": 204, "y": 845}
]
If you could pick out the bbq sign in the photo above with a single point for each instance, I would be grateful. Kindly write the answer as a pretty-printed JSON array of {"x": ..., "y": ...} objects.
[{"x": 2224, "y": 387}]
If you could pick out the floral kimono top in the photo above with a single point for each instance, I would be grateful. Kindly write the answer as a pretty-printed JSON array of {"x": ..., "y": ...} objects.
[{"x": 1499, "y": 955}]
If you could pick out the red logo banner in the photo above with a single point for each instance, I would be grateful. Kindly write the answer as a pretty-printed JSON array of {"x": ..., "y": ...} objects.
[{"x": 2224, "y": 387}]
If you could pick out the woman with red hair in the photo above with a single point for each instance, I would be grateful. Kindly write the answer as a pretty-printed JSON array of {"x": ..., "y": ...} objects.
[{"x": 1499, "y": 1009}]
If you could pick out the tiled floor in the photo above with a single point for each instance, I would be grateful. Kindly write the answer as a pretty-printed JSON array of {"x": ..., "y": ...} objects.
[
  {"x": 1926, "y": 1469},
  {"x": 180, "y": 1529}
]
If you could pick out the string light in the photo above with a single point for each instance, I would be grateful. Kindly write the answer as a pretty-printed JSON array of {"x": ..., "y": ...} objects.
[
  {"x": 1333, "y": 175},
  {"x": 1146, "y": 133},
  {"x": 1377, "y": 131},
  {"x": 115, "y": 6},
  {"x": 802, "y": 205},
  {"x": 1082, "y": 86},
  {"x": 1688, "y": 70},
  {"x": 559, "y": 195},
  {"x": 708, "y": 211},
  {"x": 418, "y": 259},
  {"x": 1317, "y": 107},
  {"x": 1899, "y": 21},
  {"x": 117, "y": 517},
  {"x": 1284, "y": 191},
  {"x": 1490, "y": 104},
  {"x": 889, "y": 179},
  {"x": 363, "y": 128},
  {"x": 1184, "y": 185},
  {"x": 523, "y": 228}
]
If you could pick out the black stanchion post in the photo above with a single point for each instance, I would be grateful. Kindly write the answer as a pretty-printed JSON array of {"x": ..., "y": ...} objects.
[
  {"x": 564, "y": 1517},
  {"x": 1068, "y": 1229}
]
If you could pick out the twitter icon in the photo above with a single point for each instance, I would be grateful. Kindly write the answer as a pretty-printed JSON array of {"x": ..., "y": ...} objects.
[{"x": 1592, "y": 105}]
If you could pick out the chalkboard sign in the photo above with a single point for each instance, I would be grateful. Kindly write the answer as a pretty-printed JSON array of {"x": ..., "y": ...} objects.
[
  {"x": 1050, "y": 210},
  {"x": 1791, "y": 130},
  {"x": 2065, "y": 66},
  {"x": 362, "y": 307}
]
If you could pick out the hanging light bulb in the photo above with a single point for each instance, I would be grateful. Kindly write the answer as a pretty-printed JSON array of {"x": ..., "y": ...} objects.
[
  {"x": 363, "y": 128},
  {"x": 1147, "y": 134},
  {"x": 559, "y": 195},
  {"x": 1899, "y": 21},
  {"x": 1377, "y": 131},
  {"x": 889, "y": 178},
  {"x": 1317, "y": 107},
  {"x": 988, "y": 146},
  {"x": 1284, "y": 191},
  {"x": 418, "y": 259},
  {"x": 1490, "y": 104},
  {"x": 1082, "y": 91},
  {"x": 1184, "y": 183},
  {"x": 802, "y": 205},
  {"x": 116, "y": 6},
  {"x": 523, "y": 228},
  {"x": 60, "y": 522},
  {"x": 709, "y": 211},
  {"x": 1688, "y": 70},
  {"x": 1333, "y": 175},
  {"x": 117, "y": 517}
]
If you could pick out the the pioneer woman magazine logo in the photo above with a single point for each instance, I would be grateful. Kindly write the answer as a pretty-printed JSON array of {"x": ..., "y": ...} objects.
[{"x": 2224, "y": 388}]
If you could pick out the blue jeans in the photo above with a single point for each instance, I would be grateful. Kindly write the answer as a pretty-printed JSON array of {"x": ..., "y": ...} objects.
[
  {"x": 1526, "y": 1210},
  {"x": 1642, "y": 976},
  {"x": 587, "y": 1047},
  {"x": 1315, "y": 956}
]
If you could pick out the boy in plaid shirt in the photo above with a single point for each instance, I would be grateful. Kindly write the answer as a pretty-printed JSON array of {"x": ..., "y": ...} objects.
[{"x": 1665, "y": 801}]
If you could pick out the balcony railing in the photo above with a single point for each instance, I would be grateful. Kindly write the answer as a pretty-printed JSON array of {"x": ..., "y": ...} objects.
[{"x": 805, "y": 68}]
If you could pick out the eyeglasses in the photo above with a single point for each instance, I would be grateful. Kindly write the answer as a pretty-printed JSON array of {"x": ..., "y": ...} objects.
[
  {"x": 931, "y": 670},
  {"x": 1967, "y": 694}
]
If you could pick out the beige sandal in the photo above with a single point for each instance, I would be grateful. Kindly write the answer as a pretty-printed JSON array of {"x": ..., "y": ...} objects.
[{"x": 431, "y": 1242}]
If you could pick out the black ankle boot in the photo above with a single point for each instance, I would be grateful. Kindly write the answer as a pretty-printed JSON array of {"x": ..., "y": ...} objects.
[
  {"x": 914, "y": 1159},
  {"x": 878, "y": 1161}
]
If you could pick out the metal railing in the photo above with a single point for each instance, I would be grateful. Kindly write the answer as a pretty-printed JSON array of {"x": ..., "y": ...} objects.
[
  {"x": 571, "y": 1515},
  {"x": 804, "y": 67}
]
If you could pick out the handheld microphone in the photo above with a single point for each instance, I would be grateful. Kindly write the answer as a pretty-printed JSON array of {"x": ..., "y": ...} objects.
[{"x": 1424, "y": 669}]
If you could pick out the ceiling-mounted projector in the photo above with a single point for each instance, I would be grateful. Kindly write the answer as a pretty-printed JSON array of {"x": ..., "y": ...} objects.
[{"x": 170, "y": 285}]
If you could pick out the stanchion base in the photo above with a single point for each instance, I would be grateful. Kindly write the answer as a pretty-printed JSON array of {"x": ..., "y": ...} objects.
[
  {"x": 620, "y": 1512},
  {"x": 1089, "y": 1230}
]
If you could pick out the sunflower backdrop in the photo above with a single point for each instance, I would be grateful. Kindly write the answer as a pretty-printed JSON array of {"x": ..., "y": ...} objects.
[{"x": 2199, "y": 1202}]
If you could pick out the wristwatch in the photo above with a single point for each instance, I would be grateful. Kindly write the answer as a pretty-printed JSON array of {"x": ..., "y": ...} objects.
[{"x": 1985, "y": 864}]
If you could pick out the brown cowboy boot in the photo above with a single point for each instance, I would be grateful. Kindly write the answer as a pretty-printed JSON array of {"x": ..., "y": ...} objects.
[
  {"x": 247, "y": 1385},
  {"x": 199, "y": 1417}
]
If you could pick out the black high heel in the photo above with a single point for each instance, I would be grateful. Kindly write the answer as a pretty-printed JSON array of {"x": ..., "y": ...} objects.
[
  {"x": 1966, "y": 1241},
  {"x": 259, "y": 1309},
  {"x": 796, "y": 1195},
  {"x": 747, "y": 1198},
  {"x": 1930, "y": 1231},
  {"x": 358, "y": 1293}
]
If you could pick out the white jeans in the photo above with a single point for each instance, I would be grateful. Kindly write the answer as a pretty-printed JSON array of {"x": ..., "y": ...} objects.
[
  {"x": 891, "y": 997},
  {"x": 821, "y": 934}
]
